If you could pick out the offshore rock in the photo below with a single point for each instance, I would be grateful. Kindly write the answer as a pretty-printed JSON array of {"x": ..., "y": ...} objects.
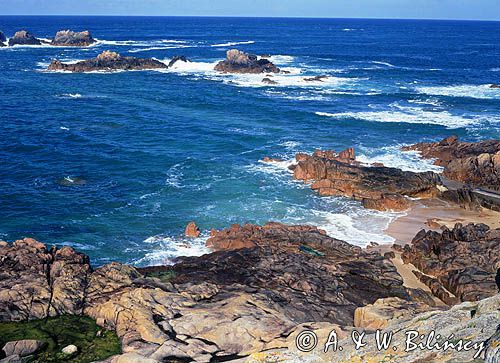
[
  {"x": 192, "y": 230},
  {"x": 379, "y": 188},
  {"x": 24, "y": 37},
  {"x": 3, "y": 39},
  {"x": 108, "y": 61},
  {"x": 240, "y": 62},
  {"x": 177, "y": 58},
  {"x": 70, "y": 38}
]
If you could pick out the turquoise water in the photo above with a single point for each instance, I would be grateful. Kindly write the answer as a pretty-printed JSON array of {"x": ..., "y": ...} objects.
[{"x": 117, "y": 164}]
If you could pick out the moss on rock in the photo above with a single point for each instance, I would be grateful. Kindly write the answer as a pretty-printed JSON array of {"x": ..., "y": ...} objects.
[{"x": 93, "y": 342}]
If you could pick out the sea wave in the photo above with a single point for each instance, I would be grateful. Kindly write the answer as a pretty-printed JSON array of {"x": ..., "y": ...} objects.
[
  {"x": 230, "y": 44},
  {"x": 393, "y": 157},
  {"x": 470, "y": 91},
  {"x": 415, "y": 115},
  {"x": 164, "y": 249}
]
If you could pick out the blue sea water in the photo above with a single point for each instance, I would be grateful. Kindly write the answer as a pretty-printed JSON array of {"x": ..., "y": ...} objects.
[{"x": 116, "y": 164}]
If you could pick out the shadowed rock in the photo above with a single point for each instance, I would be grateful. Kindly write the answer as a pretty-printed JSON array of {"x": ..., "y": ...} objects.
[
  {"x": 474, "y": 163},
  {"x": 379, "y": 188},
  {"x": 24, "y": 37},
  {"x": 108, "y": 61},
  {"x": 462, "y": 260},
  {"x": 177, "y": 58},
  {"x": 3, "y": 39},
  {"x": 240, "y": 62},
  {"x": 70, "y": 38}
]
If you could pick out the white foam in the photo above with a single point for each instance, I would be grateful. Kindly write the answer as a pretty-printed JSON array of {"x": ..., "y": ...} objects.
[
  {"x": 358, "y": 226},
  {"x": 64, "y": 128},
  {"x": 472, "y": 91},
  {"x": 281, "y": 59},
  {"x": 191, "y": 67},
  {"x": 230, "y": 44},
  {"x": 159, "y": 48},
  {"x": 415, "y": 115},
  {"x": 166, "y": 249},
  {"x": 71, "y": 95},
  {"x": 393, "y": 157}
]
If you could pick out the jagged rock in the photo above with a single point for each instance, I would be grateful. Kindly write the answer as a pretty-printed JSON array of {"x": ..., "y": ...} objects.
[
  {"x": 381, "y": 312},
  {"x": 462, "y": 261},
  {"x": 240, "y": 62},
  {"x": 492, "y": 354},
  {"x": 177, "y": 58},
  {"x": 108, "y": 61},
  {"x": 316, "y": 78},
  {"x": 3, "y": 39},
  {"x": 468, "y": 322},
  {"x": 192, "y": 230},
  {"x": 495, "y": 86},
  {"x": 475, "y": 163},
  {"x": 24, "y": 37},
  {"x": 273, "y": 261},
  {"x": 268, "y": 80},
  {"x": 73, "y": 39},
  {"x": 22, "y": 348},
  {"x": 36, "y": 282},
  {"x": 378, "y": 188},
  {"x": 268, "y": 159}
]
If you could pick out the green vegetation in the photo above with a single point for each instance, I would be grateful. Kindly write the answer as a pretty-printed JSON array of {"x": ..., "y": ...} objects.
[
  {"x": 93, "y": 342},
  {"x": 164, "y": 276}
]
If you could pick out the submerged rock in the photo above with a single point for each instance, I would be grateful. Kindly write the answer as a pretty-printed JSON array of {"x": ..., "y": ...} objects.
[
  {"x": 24, "y": 37},
  {"x": 462, "y": 261},
  {"x": 495, "y": 86},
  {"x": 240, "y": 62},
  {"x": 379, "y": 188},
  {"x": 177, "y": 58},
  {"x": 108, "y": 61},
  {"x": 321, "y": 78},
  {"x": 268, "y": 80},
  {"x": 73, "y": 39}
]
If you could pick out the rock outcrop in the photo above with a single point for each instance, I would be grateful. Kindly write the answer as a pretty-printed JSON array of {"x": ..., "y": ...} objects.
[
  {"x": 458, "y": 264},
  {"x": 192, "y": 230},
  {"x": 379, "y": 187},
  {"x": 3, "y": 39},
  {"x": 470, "y": 325},
  {"x": 240, "y": 62},
  {"x": 24, "y": 37},
  {"x": 69, "y": 38},
  {"x": 108, "y": 61},
  {"x": 473, "y": 163},
  {"x": 177, "y": 58},
  {"x": 254, "y": 295},
  {"x": 224, "y": 305}
]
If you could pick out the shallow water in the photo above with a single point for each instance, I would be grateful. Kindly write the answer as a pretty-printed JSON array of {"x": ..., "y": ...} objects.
[{"x": 117, "y": 164}]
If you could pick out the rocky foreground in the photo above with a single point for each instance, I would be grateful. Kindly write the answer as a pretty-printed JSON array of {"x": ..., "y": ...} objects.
[
  {"x": 250, "y": 298},
  {"x": 108, "y": 61}
]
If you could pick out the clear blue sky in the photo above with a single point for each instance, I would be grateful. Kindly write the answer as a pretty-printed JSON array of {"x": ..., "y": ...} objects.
[{"x": 428, "y": 9}]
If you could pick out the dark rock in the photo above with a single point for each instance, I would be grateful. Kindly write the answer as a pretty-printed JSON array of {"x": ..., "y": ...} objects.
[
  {"x": 177, "y": 58},
  {"x": 108, "y": 61},
  {"x": 316, "y": 79},
  {"x": 474, "y": 163},
  {"x": 462, "y": 260},
  {"x": 24, "y": 37},
  {"x": 268, "y": 81},
  {"x": 70, "y": 38},
  {"x": 326, "y": 286},
  {"x": 240, "y": 62},
  {"x": 3, "y": 39},
  {"x": 495, "y": 86},
  {"x": 378, "y": 188}
]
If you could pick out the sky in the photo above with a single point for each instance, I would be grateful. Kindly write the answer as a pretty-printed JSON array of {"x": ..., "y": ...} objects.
[{"x": 414, "y": 9}]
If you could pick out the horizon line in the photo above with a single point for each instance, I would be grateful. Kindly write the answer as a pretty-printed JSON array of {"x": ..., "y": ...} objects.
[{"x": 247, "y": 17}]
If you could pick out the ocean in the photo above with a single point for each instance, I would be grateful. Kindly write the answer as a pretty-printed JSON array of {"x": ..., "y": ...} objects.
[{"x": 116, "y": 164}]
